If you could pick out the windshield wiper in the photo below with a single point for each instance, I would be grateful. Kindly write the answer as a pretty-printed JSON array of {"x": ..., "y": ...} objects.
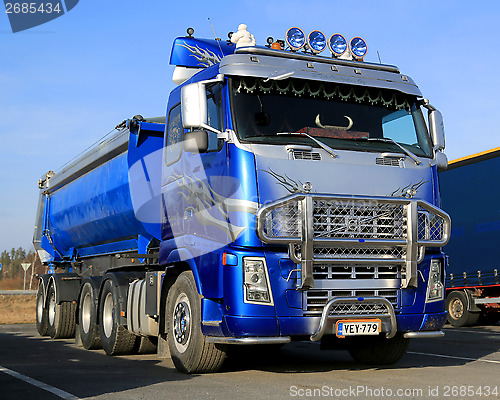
[
  {"x": 389, "y": 140},
  {"x": 325, "y": 147}
]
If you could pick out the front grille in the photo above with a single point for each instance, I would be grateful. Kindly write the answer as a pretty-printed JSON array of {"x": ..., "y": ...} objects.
[
  {"x": 315, "y": 301},
  {"x": 374, "y": 237},
  {"x": 358, "y": 219},
  {"x": 325, "y": 253},
  {"x": 333, "y": 271}
]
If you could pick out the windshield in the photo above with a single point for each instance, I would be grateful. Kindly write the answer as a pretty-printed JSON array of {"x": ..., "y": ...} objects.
[{"x": 341, "y": 116}]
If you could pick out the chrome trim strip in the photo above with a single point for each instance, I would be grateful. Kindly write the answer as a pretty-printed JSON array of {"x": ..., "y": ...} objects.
[
  {"x": 248, "y": 340},
  {"x": 211, "y": 323},
  {"x": 423, "y": 335},
  {"x": 487, "y": 300},
  {"x": 326, "y": 317},
  {"x": 306, "y": 276}
]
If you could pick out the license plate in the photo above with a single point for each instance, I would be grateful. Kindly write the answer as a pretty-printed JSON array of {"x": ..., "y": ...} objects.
[{"x": 357, "y": 327}]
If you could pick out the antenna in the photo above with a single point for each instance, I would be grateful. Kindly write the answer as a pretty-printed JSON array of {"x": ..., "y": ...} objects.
[
  {"x": 218, "y": 42},
  {"x": 379, "y": 60}
]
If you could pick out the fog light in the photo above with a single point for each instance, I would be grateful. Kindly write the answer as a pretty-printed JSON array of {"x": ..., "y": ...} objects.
[
  {"x": 358, "y": 47},
  {"x": 256, "y": 281},
  {"x": 295, "y": 38},
  {"x": 337, "y": 44}
]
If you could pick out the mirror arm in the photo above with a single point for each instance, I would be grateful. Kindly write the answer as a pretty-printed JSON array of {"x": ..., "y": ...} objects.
[{"x": 427, "y": 104}]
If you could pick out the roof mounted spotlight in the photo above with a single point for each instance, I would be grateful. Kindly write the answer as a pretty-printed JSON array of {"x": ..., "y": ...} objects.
[
  {"x": 190, "y": 32},
  {"x": 269, "y": 41},
  {"x": 295, "y": 38},
  {"x": 316, "y": 41},
  {"x": 337, "y": 44},
  {"x": 358, "y": 48}
]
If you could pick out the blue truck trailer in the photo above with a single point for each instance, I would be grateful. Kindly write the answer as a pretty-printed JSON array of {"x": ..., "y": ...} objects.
[
  {"x": 284, "y": 196},
  {"x": 472, "y": 282}
]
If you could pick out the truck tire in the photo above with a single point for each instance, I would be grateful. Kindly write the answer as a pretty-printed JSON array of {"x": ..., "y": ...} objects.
[
  {"x": 458, "y": 313},
  {"x": 41, "y": 313},
  {"x": 188, "y": 348},
  {"x": 115, "y": 339},
  {"x": 378, "y": 350},
  {"x": 60, "y": 317},
  {"x": 87, "y": 318}
]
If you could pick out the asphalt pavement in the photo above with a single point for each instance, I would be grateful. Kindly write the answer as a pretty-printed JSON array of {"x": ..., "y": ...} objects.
[{"x": 464, "y": 364}]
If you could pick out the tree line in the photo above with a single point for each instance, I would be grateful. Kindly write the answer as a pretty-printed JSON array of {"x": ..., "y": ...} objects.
[{"x": 12, "y": 273}]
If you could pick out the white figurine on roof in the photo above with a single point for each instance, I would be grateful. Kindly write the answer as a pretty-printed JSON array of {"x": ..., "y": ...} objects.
[{"x": 243, "y": 38}]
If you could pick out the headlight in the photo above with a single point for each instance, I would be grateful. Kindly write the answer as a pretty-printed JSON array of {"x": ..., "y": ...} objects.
[
  {"x": 435, "y": 287},
  {"x": 256, "y": 281}
]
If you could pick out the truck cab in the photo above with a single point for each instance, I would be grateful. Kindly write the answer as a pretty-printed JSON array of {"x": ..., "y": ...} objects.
[{"x": 304, "y": 191}]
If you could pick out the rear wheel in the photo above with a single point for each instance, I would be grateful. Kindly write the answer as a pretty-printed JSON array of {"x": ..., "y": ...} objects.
[
  {"x": 87, "y": 318},
  {"x": 188, "y": 348},
  {"x": 115, "y": 338},
  {"x": 60, "y": 317},
  {"x": 378, "y": 349},
  {"x": 41, "y": 313},
  {"x": 458, "y": 313}
]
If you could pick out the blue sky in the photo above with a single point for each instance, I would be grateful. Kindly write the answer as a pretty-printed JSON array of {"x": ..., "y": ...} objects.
[{"x": 65, "y": 84}]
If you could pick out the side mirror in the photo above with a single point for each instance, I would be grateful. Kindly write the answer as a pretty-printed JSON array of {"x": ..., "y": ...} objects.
[
  {"x": 194, "y": 105},
  {"x": 436, "y": 126},
  {"x": 196, "y": 141}
]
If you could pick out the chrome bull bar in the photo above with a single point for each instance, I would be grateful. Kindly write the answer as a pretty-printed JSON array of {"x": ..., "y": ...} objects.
[
  {"x": 327, "y": 321},
  {"x": 322, "y": 228}
]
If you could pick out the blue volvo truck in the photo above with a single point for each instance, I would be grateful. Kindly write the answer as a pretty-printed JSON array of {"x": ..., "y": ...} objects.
[
  {"x": 284, "y": 196},
  {"x": 472, "y": 281}
]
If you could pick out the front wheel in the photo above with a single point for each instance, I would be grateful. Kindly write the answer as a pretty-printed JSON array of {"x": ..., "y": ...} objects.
[
  {"x": 188, "y": 348},
  {"x": 458, "y": 312},
  {"x": 115, "y": 338},
  {"x": 378, "y": 349}
]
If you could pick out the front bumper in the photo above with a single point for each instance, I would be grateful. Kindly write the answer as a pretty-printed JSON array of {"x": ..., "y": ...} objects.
[{"x": 251, "y": 327}]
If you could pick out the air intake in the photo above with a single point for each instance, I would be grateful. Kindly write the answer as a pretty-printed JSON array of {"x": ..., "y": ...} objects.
[
  {"x": 391, "y": 162},
  {"x": 306, "y": 155}
]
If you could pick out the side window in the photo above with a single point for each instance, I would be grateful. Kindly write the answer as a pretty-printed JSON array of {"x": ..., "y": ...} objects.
[
  {"x": 174, "y": 135},
  {"x": 214, "y": 116}
]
